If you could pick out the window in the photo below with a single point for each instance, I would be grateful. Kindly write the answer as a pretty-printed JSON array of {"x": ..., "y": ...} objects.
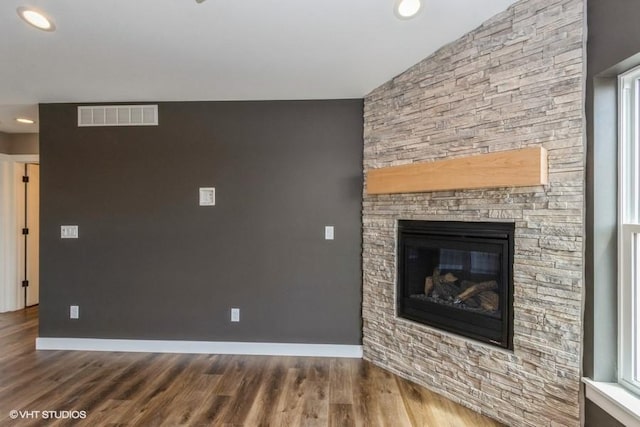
[{"x": 629, "y": 231}]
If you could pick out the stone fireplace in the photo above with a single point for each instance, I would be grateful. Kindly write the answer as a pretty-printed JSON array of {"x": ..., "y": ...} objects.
[
  {"x": 457, "y": 276},
  {"x": 516, "y": 81}
]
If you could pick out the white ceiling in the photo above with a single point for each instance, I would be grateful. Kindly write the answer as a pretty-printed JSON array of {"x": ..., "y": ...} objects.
[{"x": 177, "y": 50}]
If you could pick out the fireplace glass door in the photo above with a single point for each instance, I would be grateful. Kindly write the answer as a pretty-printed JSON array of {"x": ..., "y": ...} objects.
[{"x": 457, "y": 277}]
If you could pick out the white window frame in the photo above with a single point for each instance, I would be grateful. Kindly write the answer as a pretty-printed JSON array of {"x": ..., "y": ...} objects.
[{"x": 629, "y": 230}]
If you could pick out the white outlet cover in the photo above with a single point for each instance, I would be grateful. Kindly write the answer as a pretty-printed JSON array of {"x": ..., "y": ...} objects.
[
  {"x": 207, "y": 196},
  {"x": 68, "y": 231},
  {"x": 74, "y": 312},
  {"x": 235, "y": 314},
  {"x": 328, "y": 232}
]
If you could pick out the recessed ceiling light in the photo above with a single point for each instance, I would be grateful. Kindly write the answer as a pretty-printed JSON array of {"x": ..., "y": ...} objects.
[
  {"x": 406, "y": 9},
  {"x": 36, "y": 18},
  {"x": 25, "y": 120}
]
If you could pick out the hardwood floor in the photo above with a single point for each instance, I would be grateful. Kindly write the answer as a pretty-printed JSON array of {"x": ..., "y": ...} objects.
[{"x": 144, "y": 389}]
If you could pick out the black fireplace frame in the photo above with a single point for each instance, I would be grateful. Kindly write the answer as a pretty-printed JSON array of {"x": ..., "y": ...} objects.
[{"x": 498, "y": 332}]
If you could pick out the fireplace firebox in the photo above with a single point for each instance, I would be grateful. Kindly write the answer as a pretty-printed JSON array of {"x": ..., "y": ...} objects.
[{"x": 458, "y": 277}]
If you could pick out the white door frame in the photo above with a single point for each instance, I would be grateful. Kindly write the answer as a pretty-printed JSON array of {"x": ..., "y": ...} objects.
[{"x": 10, "y": 284}]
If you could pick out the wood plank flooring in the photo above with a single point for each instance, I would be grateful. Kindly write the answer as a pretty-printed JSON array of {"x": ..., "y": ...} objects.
[{"x": 144, "y": 389}]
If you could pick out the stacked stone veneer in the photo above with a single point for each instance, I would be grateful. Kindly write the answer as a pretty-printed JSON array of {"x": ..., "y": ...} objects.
[{"x": 516, "y": 81}]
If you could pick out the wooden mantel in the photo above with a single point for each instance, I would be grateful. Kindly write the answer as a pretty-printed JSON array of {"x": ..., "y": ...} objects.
[{"x": 515, "y": 168}]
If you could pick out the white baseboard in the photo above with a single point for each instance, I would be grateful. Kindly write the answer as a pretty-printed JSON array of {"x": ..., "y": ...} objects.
[{"x": 200, "y": 347}]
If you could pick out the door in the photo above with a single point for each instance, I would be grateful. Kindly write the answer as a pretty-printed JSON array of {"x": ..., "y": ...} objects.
[{"x": 32, "y": 238}]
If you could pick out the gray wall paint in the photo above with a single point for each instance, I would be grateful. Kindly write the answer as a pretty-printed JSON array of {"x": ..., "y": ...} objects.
[
  {"x": 597, "y": 417},
  {"x": 151, "y": 264},
  {"x": 19, "y": 143},
  {"x": 613, "y": 33},
  {"x": 25, "y": 143},
  {"x": 4, "y": 143},
  {"x": 614, "y": 36}
]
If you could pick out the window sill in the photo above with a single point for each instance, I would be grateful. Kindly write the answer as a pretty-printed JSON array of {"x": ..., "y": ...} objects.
[{"x": 621, "y": 404}]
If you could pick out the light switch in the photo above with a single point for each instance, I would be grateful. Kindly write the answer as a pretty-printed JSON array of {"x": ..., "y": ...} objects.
[
  {"x": 235, "y": 314},
  {"x": 207, "y": 196},
  {"x": 69, "y": 231},
  {"x": 328, "y": 232},
  {"x": 74, "y": 312}
]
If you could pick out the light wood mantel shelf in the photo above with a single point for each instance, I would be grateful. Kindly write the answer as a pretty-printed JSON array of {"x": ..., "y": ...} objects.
[{"x": 515, "y": 168}]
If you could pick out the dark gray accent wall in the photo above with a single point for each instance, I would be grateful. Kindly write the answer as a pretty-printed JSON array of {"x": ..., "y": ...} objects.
[
  {"x": 614, "y": 39},
  {"x": 597, "y": 417},
  {"x": 152, "y": 264},
  {"x": 613, "y": 33}
]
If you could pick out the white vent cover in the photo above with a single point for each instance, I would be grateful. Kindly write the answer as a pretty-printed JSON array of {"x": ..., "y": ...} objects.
[{"x": 118, "y": 115}]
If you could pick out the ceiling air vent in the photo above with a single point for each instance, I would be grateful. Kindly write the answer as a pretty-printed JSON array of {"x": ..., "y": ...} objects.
[{"x": 118, "y": 115}]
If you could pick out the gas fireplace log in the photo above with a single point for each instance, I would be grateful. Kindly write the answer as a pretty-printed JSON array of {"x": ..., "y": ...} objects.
[
  {"x": 446, "y": 278},
  {"x": 428, "y": 285},
  {"x": 443, "y": 287},
  {"x": 436, "y": 276},
  {"x": 476, "y": 289},
  {"x": 429, "y": 282},
  {"x": 472, "y": 303},
  {"x": 489, "y": 300},
  {"x": 449, "y": 278},
  {"x": 445, "y": 291}
]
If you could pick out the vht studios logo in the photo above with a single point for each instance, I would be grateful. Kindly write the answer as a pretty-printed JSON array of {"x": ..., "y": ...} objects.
[{"x": 48, "y": 415}]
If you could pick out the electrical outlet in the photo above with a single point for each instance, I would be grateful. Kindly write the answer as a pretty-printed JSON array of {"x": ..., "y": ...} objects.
[
  {"x": 235, "y": 314},
  {"x": 74, "y": 312},
  {"x": 328, "y": 232}
]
